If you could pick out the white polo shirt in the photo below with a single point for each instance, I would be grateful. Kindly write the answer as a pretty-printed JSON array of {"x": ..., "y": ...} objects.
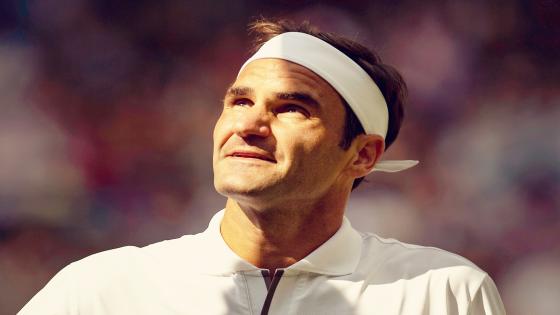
[{"x": 351, "y": 273}]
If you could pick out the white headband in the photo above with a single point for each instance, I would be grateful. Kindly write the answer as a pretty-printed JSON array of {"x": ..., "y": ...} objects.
[{"x": 344, "y": 75}]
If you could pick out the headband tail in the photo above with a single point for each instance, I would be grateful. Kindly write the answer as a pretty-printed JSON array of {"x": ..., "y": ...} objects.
[{"x": 392, "y": 166}]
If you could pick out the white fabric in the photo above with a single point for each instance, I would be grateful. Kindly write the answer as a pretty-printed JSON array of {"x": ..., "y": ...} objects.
[
  {"x": 352, "y": 273},
  {"x": 343, "y": 74},
  {"x": 393, "y": 166}
]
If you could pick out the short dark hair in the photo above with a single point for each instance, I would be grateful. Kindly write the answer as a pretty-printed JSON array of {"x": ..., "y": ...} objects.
[{"x": 389, "y": 81}]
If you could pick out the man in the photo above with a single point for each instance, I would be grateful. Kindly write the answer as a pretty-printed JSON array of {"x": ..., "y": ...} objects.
[{"x": 308, "y": 116}]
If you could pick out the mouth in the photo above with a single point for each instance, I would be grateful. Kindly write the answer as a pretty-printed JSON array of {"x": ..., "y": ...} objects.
[{"x": 251, "y": 155}]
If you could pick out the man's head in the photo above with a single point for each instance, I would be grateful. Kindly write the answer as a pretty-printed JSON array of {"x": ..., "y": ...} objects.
[
  {"x": 285, "y": 130},
  {"x": 387, "y": 79}
]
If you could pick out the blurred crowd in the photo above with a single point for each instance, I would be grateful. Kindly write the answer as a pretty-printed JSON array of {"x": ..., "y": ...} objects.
[{"x": 107, "y": 110}]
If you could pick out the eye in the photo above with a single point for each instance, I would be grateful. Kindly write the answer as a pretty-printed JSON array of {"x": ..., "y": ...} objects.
[
  {"x": 292, "y": 109},
  {"x": 241, "y": 102}
]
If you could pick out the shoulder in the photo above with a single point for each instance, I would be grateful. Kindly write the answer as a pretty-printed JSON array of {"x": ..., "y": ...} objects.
[
  {"x": 128, "y": 264},
  {"x": 131, "y": 260},
  {"x": 393, "y": 260},
  {"x": 394, "y": 250},
  {"x": 111, "y": 277},
  {"x": 416, "y": 275}
]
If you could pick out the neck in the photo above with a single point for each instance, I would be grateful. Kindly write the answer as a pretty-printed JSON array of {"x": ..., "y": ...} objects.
[{"x": 278, "y": 237}]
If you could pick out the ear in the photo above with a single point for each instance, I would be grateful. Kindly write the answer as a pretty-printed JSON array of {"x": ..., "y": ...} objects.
[{"x": 367, "y": 151}]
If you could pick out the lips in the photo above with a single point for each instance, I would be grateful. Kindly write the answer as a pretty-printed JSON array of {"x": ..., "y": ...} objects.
[{"x": 251, "y": 155}]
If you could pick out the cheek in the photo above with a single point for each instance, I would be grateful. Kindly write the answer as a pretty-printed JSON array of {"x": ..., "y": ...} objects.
[
  {"x": 221, "y": 131},
  {"x": 322, "y": 148},
  {"x": 310, "y": 144},
  {"x": 315, "y": 139}
]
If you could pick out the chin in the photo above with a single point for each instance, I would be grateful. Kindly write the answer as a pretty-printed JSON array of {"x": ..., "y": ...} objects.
[{"x": 239, "y": 188}]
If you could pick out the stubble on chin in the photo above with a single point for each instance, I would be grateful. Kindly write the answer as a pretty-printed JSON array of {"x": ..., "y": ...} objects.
[{"x": 250, "y": 187}]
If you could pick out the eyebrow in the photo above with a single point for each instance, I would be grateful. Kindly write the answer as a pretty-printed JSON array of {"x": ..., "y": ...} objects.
[
  {"x": 239, "y": 91},
  {"x": 298, "y": 96},
  {"x": 288, "y": 96}
]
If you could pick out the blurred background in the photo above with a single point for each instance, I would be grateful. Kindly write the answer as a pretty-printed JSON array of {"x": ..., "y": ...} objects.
[{"x": 107, "y": 110}]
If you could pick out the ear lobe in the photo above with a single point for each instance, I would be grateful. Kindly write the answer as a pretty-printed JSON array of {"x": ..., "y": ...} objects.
[{"x": 369, "y": 149}]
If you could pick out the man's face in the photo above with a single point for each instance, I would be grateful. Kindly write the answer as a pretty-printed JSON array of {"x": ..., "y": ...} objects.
[{"x": 278, "y": 134}]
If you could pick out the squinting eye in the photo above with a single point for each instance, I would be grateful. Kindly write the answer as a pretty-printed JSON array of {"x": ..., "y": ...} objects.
[
  {"x": 242, "y": 102},
  {"x": 292, "y": 108}
]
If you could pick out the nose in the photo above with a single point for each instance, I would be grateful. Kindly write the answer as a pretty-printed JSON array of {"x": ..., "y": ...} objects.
[{"x": 253, "y": 121}]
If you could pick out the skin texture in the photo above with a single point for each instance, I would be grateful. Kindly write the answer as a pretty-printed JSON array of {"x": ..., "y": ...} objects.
[{"x": 277, "y": 160}]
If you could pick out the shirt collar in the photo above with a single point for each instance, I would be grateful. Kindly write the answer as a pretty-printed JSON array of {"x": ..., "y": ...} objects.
[
  {"x": 338, "y": 256},
  {"x": 219, "y": 259}
]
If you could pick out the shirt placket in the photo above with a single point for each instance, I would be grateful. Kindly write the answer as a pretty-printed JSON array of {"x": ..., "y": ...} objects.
[
  {"x": 256, "y": 284},
  {"x": 271, "y": 285}
]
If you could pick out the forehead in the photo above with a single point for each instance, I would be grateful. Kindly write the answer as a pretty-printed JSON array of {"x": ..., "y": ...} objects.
[{"x": 281, "y": 75}]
